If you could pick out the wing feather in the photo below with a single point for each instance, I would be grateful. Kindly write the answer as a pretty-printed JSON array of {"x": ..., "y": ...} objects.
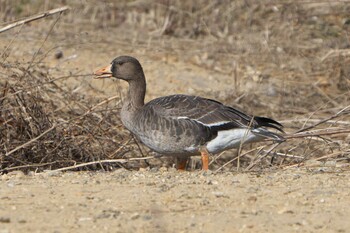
[{"x": 207, "y": 112}]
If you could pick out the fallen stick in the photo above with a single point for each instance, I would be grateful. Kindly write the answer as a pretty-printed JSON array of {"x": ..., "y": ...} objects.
[
  {"x": 340, "y": 113},
  {"x": 317, "y": 159},
  {"x": 29, "y": 142},
  {"x": 317, "y": 133},
  {"x": 235, "y": 158},
  {"x": 314, "y": 121},
  {"x": 99, "y": 162},
  {"x": 335, "y": 53},
  {"x": 26, "y": 166},
  {"x": 34, "y": 17},
  {"x": 251, "y": 165}
]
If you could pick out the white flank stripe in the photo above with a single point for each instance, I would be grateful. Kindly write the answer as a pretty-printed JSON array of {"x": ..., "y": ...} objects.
[{"x": 232, "y": 138}]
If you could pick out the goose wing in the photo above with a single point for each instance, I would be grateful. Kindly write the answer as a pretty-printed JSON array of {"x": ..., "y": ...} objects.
[{"x": 207, "y": 112}]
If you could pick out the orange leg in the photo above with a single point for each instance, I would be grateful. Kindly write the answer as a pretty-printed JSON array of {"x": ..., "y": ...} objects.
[
  {"x": 181, "y": 163},
  {"x": 205, "y": 160}
]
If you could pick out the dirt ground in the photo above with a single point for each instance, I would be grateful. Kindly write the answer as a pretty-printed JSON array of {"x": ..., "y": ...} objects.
[
  {"x": 168, "y": 201},
  {"x": 281, "y": 68}
]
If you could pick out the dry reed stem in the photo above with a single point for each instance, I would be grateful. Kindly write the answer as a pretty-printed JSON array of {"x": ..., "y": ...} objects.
[
  {"x": 316, "y": 159},
  {"x": 317, "y": 133},
  {"x": 101, "y": 162},
  {"x": 338, "y": 114},
  {"x": 235, "y": 158},
  {"x": 34, "y": 17},
  {"x": 254, "y": 163}
]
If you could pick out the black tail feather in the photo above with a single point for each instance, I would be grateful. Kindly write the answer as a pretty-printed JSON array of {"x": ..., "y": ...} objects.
[
  {"x": 268, "y": 134},
  {"x": 268, "y": 122}
]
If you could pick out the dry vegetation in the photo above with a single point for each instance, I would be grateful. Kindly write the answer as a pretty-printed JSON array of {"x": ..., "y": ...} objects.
[{"x": 297, "y": 53}]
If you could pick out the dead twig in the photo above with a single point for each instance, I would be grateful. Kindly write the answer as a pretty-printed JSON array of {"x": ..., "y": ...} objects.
[
  {"x": 340, "y": 113},
  {"x": 287, "y": 155},
  {"x": 120, "y": 148},
  {"x": 335, "y": 53},
  {"x": 100, "y": 162},
  {"x": 42, "y": 44},
  {"x": 317, "y": 159},
  {"x": 261, "y": 157},
  {"x": 106, "y": 101},
  {"x": 27, "y": 166},
  {"x": 317, "y": 133},
  {"x": 315, "y": 121},
  {"x": 34, "y": 17},
  {"x": 30, "y": 142},
  {"x": 241, "y": 155}
]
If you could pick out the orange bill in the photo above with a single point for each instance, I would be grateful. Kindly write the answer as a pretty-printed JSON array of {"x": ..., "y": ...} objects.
[{"x": 104, "y": 72}]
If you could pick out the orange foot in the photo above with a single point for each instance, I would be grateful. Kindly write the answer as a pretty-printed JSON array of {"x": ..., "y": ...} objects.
[
  {"x": 181, "y": 163},
  {"x": 205, "y": 159}
]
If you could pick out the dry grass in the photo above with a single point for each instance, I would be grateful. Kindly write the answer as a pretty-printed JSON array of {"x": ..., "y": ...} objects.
[
  {"x": 42, "y": 125},
  {"x": 296, "y": 52}
]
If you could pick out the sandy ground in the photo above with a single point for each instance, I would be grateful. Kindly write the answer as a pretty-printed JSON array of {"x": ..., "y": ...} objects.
[
  {"x": 162, "y": 199},
  {"x": 168, "y": 201}
]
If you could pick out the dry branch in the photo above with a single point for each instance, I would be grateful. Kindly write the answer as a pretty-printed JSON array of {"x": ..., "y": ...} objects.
[
  {"x": 34, "y": 17},
  {"x": 243, "y": 154},
  {"x": 100, "y": 162},
  {"x": 317, "y": 159},
  {"x": 30, "y": 142},
  {"x": 254, "y": 163},
  {"x": 44, "y": 125},
  {"x": 317, "y": 133},
  {"x": 335, "y": 53},
  {"x": 338, "y": 114}
]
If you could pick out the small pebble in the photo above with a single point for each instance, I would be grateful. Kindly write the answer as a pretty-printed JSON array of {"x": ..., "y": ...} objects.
[
  {"x": 11, "y": 184},
  {"x": 49, "y": 173},
  {"x": 147, "y": 217},
  {"x": 141, "y": 169},
  {"x": 285, "y": 211},
  {"x": 22, "y": 221},
  {"x": 5, "y": 220},
  {"x": 58, "y": 54},
  {"x": 135, "y": 216},
  {"x": 207, "y": 173},
  {"x": 252, "y": 199},
  {"x": 84, "y": 219},
  {"x": 331, "y": 164},
  {"x": 5, "y": 177},
  {"x": 313, "y": 163},
  {"x": 219, "y": 194},
  {"x": 18, "y": 174},
  {"x": 212, "y": 182},
  {"x": 31, "y": 173}
]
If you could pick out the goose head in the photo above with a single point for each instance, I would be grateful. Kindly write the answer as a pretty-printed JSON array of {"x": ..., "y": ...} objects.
[{"x": 124, "y": 67}]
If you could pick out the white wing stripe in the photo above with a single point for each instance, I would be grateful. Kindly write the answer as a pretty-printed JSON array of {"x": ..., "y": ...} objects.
[
  {"x": 181, "y": 117},
  {"x": 200, "y": 122},
  {"x": 214, "y": 123}
]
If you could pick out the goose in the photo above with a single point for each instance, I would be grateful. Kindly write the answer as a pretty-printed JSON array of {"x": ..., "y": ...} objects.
[{"x": 184, "y": 125}]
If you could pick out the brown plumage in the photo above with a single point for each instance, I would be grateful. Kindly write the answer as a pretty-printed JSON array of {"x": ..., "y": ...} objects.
[{"x": 183, "y": 125}]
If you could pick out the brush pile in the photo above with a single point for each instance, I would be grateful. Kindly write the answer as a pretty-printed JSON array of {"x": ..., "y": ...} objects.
[{"x": 45, "y": 126}]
